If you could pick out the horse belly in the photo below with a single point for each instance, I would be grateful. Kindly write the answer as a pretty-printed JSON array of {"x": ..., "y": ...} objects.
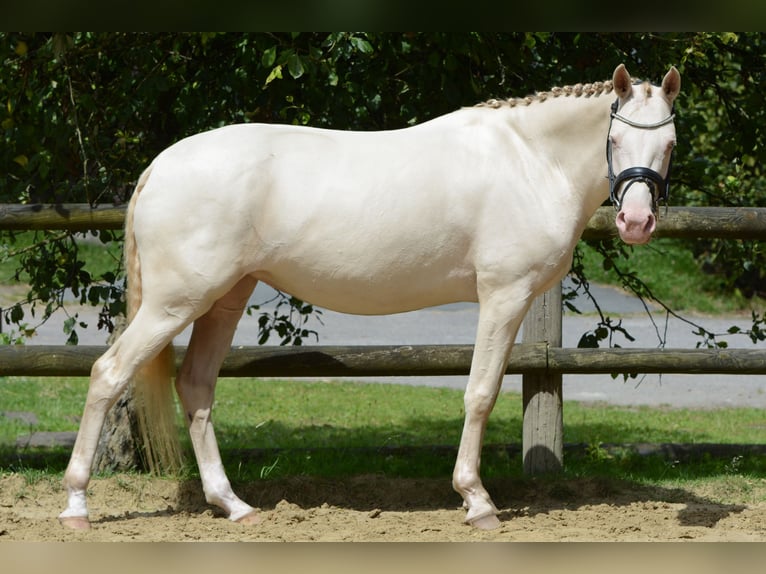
[
  {"x": 382, "y": 294},
  {"x": 372, "y": 267}
]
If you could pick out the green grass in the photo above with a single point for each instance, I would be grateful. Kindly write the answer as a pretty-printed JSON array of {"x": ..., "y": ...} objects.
[
  {"x": 344, "y": 428},
  {"x": 57, "y": 404},
  {"x": 267, "y": 414},
  {"x": 672, "y": 274}
]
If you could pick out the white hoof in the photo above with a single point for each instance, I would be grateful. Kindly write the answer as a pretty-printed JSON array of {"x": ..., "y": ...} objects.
[
  {"x": 487, "y": 522},
  {"x": 253, "y": 517},
  {"x": 75, "y": 522}
]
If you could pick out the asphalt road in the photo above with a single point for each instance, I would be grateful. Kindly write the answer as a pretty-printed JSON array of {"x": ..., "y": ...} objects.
[{"x": 456, "y": 324}]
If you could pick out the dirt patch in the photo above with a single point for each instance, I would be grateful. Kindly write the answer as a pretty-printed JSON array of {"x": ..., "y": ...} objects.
[{"x": 375, "y": 508}]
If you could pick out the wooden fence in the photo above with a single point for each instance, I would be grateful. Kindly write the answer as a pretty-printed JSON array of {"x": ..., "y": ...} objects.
[{"x": 539, "y": 358}]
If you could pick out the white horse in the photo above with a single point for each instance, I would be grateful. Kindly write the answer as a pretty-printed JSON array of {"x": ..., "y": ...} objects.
[{"x": 483, "y": 204}]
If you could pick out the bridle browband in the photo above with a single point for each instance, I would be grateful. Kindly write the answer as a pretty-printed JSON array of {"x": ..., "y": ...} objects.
[{"x": 659, "y": 186}]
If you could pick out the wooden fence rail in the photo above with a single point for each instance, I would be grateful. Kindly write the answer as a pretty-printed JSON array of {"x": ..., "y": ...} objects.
[
  {"x": 688, "y": 222},
  {"x": 72, "y": 216},
  {"x": 403, "y": 361},
  {"x": 539, "y": 358}
]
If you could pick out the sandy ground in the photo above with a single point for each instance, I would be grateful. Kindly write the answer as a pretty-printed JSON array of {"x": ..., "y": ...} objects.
[{"x": 373, "y": 508}]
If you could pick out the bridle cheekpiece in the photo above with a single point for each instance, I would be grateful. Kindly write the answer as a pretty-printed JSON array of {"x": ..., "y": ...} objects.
[{"x": 659, "y": 186}]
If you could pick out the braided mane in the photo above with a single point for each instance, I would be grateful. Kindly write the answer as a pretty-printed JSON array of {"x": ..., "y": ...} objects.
[{"x": 578, "y": 90}]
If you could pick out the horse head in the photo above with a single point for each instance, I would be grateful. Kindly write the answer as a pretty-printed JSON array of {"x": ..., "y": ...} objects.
[{"x": 639, "y": 149}]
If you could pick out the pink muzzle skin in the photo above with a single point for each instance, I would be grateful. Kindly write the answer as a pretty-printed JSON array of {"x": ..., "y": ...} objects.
[{"x": 635, "y": 224}]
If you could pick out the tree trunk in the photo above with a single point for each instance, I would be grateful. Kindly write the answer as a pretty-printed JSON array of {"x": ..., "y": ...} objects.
[{"x": 118, "y": 446}]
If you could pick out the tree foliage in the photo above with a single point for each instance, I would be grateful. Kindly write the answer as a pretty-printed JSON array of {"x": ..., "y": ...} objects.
[{"x": 83, "y": 113}]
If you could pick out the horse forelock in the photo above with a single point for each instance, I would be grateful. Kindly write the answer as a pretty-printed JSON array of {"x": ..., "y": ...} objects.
[
  {"x": 576, "y": 90},
  {"x": 647, "y": 88}
]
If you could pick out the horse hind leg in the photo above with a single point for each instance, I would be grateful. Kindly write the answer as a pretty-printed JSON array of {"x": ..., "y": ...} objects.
[
  {"x": 210, "y": 341},
  {"x": 146, "y": 336}
]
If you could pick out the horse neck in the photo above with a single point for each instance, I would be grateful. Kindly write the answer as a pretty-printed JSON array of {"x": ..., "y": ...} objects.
[{"x": 569, "y": 133}]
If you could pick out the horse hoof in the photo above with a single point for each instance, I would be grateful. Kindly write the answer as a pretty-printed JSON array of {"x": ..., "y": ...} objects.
[
  {"x": 75, "y": 522},
  {"x": 488, "y": 522},
  {"x": 252, "y": 517}
]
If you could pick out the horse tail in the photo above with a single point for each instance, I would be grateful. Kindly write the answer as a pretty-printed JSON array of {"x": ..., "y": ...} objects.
[{"x": 152, "y": 383}]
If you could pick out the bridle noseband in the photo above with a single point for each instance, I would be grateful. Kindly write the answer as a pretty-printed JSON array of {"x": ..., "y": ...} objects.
[{"x": 659, "y": 186}]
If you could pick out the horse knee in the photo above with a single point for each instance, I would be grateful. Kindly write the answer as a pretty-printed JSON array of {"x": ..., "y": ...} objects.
[
  {"x": 106, "y": 383},
  {"x": 479, "y": 403}
]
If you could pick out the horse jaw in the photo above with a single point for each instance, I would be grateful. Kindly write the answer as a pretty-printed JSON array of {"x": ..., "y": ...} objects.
[{"x": 636, "y": 221}]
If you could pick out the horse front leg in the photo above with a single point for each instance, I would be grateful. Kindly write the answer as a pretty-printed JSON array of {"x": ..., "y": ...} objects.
[{"x": 499, "y": 320}]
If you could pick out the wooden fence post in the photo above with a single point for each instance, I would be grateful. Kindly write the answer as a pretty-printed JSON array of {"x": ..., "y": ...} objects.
[{"x": 543, "y": 427}]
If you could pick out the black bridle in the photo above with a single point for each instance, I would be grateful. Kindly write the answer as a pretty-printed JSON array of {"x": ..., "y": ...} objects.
[{"x": 659, "y": 186}]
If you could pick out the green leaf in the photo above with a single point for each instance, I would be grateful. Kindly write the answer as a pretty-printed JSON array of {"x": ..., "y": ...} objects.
[
  {"x": 275, "y": 74},
  {"x": 361, "y": 45},
  {"x": 269, "y": 57},
  {"x": 69, "y": 324},
  {"x": 17, "y": 314},
  {"x": 73, "y": 339},
  {"x": 295, "y": 66},
  {"x": 588, "y": 341}
]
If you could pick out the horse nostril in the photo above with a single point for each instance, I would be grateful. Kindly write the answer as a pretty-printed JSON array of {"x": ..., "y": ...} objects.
[{"x": 651, "y": 223}]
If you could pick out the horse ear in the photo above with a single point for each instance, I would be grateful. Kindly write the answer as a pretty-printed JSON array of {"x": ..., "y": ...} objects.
[
  {"x": 671, "y": 84},
  {"x": 621, "y": 82}
]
